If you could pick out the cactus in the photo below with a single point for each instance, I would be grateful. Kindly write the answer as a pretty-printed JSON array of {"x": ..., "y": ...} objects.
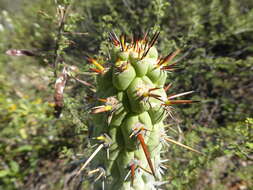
[{"x": 128, "y": 118}]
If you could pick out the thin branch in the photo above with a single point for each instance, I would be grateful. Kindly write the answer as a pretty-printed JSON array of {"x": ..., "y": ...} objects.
[{"x": 60, "y": 30}]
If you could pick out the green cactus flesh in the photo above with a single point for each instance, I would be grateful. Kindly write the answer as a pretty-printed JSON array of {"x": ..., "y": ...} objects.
[{"x": 131, "y": 114}]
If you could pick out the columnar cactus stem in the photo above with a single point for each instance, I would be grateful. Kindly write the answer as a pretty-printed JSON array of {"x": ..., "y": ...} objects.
[{"x": 131, "y": 108}]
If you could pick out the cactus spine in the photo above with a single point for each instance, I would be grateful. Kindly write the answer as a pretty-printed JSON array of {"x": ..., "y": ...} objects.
[{"x": 129, "y": 116}]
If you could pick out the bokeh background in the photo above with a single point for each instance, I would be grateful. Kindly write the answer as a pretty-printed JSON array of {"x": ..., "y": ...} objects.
[{"x": 39, "y": 151}]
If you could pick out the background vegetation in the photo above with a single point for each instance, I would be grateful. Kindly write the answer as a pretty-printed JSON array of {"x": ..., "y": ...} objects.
[{"x": 38, "y": 151}]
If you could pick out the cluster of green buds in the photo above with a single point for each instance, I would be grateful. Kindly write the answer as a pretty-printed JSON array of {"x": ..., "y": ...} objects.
[{"x": 128, "y": 120}]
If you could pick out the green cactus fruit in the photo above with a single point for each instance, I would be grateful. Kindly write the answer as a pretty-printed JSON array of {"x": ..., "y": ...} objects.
[
  {"x": 157, "y": 76},
  {"x": 122, "y": 78},
  {"x": 128, "y": 120},
  {"x": 135, "y": 95},
  {"x": 127, "y": 128},
  {"x": 141, "y": 67}
]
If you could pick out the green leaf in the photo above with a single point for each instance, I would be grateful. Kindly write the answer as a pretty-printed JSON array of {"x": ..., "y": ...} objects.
[
  {"x": 249, "y": 145},
  {"x": 14, "y": 166},
  {"x": 4, "y": 173},
  {"x": 24, "y": 148}
]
